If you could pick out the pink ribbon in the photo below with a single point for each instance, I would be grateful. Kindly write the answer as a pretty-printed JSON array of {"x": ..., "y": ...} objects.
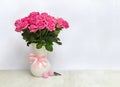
[{"x": 39, "y": 60}]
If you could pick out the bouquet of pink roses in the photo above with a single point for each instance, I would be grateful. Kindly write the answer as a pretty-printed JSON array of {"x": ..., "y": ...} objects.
[{"x": 41, "y": 29}]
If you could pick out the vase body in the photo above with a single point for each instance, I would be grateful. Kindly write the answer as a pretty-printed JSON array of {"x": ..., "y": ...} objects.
[{"x": 37, "y": 70}]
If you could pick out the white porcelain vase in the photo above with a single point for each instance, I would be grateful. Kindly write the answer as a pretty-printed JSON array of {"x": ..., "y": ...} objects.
[{"x": 40, "y": 64}]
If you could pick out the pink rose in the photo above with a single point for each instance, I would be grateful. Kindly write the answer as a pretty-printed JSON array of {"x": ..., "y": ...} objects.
[
  {"x": 54, "y": 20},
  {"x": 33, "y": 28},
  {"x": 24, "y": 19},
  {"x": 24, "y": 23},
  {"x": 18, "y": 26},
  {"x": 50, "y": 26},
  {"x": 65, "y": 24},
  {"x": 44, "y": 15},
  {"x": 21, "y": 24},
  {"x": 62, "y": 23},
  {"x": 31, "y": 20},
  {"x": 40, "y": 24},
  {"x": 33, "y": 14},
  {"x": 38, "y": 17},
  {"x": 32, "y": 17},
  {"x": 49, "y": 19}
]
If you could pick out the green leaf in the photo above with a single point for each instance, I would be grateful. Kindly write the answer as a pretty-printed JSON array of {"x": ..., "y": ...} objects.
[
  {"x": 39, "y": 45},
  {"x": 43, "y": 32},
  {"x": 57, "y": 74},
  {"x": 49, "y": 40},
  {"x": 57, "y": 31},
  {"x": 31, "y": 38},
  {"x": 58, "y": 39},
  {"x": 60, "y": 43},
  {"x": 49, "y": 47},
  {"x": 43, "y": 42},
  {"x": 28, "y": 43}
]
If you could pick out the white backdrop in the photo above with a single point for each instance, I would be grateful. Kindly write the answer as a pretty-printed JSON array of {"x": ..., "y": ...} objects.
[{"x": 91, "y": 42}]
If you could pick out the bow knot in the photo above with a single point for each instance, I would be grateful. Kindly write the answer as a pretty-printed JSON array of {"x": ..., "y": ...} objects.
[{"x": 39, "y": 60}]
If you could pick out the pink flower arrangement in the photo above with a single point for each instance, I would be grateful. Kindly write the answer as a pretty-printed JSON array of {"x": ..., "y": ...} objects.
[
  {"x": 42, "y": 29},
  {"x": 36, "y": 21}
]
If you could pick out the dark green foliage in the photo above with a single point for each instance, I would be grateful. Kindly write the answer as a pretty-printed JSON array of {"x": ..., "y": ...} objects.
[{"x": 42, "y": 38}]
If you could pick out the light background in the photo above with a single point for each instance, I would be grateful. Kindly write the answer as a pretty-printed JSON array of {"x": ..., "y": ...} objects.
[{"x": 91, "y": 42}]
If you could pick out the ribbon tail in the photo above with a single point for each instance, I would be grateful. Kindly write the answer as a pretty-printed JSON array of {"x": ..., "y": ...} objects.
[
  {"x": 44, "y": 64},
  {"x": 34, "y": 61}
]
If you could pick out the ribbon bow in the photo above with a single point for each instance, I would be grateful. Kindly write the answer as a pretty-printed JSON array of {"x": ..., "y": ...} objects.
[{"x": 39, "y": 60}]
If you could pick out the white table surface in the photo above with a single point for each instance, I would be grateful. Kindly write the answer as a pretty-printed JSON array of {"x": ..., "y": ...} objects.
[{"x": 83, "y": 78}]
